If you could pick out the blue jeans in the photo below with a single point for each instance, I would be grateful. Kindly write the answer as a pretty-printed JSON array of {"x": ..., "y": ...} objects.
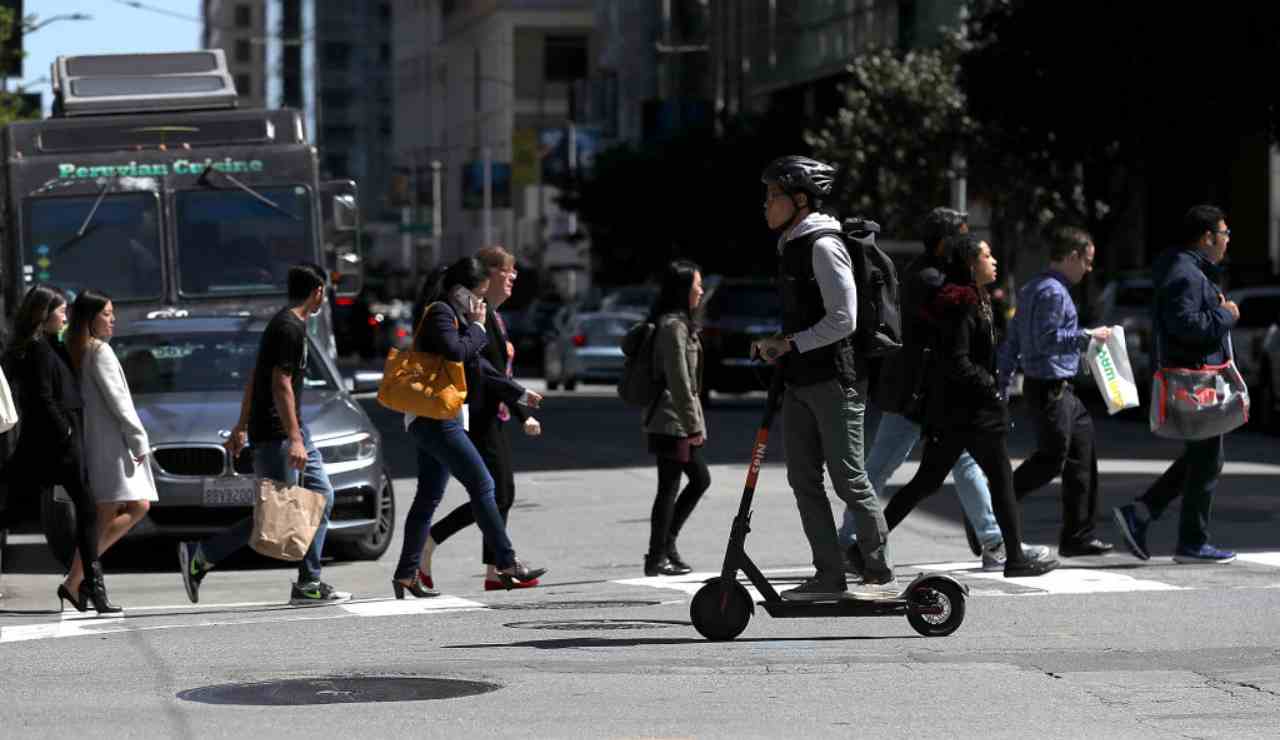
[
  {"x": 271, "y": 460},
  {"x": 444, "y": 449},
  {"x": 896, "y": 437}
]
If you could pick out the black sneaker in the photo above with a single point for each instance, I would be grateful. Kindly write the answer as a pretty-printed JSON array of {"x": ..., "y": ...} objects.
[
  {"x": 194, "y": 569},
  {"x": 1029, "y": 568},
  {"x": 316, "y": 592},
  {"x": 814, "y": 589}
]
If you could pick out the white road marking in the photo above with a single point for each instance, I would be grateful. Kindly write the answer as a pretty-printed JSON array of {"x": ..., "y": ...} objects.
[
  {"x": 1062, "y": 580},
  {"x": 1261, "y": 558},
  {"x": 75, "y": 624},
  {"x": 398, "y": 607}
]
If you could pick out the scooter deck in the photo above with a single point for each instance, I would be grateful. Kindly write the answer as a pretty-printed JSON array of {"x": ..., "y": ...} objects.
[{"x": 848, "y": 605}]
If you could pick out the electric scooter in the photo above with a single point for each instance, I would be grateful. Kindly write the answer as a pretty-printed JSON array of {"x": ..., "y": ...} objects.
[{"x": 933, "y": 603}]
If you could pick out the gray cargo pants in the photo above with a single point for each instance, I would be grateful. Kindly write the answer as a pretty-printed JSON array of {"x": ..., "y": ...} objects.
[{"x": 822, "y": 424}]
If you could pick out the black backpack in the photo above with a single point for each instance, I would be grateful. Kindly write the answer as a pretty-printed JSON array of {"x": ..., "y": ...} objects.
[
  {"x": 879, "y": 330},
  {"x": 641, "y": 384}
]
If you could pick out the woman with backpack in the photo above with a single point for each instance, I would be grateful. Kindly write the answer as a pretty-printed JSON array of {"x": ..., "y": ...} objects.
[
  {"x": 675, "y": 423},
  {"x": 453, "y": 326},
  {"x": 50, "y": 445}
]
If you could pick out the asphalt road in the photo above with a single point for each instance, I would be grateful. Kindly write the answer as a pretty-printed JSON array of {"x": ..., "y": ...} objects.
[{"x": 1106, "y": 647}]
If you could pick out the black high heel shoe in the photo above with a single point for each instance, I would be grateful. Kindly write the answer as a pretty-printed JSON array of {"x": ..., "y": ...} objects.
[
  {"x": 660, "y": 566},
  {"x": 93, "y": 589},
  {"x": 64, "y": 594},
  {"x": 524, "y": 573},
  {"x": 415, "y": 587},
  {"x": 677, "y": 562}
]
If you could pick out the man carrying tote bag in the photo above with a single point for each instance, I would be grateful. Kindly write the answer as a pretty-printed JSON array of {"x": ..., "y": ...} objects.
[{"x": 283, "y": 454}]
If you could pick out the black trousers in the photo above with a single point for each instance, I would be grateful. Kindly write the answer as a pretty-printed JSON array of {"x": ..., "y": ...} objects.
[
  {"x": 669, "y": 511},
  {"x": 941, "y": 451},
  {"x": 495, "y": 450},
  {"x": 1194, "y": 477},
  {"x": 30, "y": 473},
  {"x": 1064, "y": 446}
]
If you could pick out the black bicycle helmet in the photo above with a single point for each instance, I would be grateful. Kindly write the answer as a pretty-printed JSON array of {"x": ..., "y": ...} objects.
[{"x": 795, "y": 174}]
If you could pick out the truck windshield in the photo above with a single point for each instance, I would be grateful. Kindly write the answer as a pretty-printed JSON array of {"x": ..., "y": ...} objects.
[
  {"x": 231, "y": 243},
  {"x": 118, "y": 254}
]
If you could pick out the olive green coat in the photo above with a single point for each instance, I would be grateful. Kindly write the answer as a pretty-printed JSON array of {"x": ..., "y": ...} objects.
[{"x": 678, "y": 357}]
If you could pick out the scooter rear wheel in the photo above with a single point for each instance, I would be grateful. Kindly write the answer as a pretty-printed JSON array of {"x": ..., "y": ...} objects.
[
  {"x": 719, "y": 614},
  {"x": 941, "y": 594}
]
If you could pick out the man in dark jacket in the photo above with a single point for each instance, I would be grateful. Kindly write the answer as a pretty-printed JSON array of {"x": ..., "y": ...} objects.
[{"x": 1192, "y": 323}]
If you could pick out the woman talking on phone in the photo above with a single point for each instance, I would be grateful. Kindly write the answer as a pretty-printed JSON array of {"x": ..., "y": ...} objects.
[{"x": 452, "y": 324}]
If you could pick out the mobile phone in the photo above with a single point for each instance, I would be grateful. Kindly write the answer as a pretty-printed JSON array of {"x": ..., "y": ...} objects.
[{"x": 463, "y": 298}]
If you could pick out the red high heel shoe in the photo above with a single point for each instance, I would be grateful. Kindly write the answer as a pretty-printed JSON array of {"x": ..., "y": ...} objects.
[
  {"x": 508, "y": 583},
  {"x": 425, "y": 579}
]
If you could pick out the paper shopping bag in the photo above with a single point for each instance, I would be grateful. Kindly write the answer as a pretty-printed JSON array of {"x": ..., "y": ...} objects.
[{"x": 285, "y": 519}]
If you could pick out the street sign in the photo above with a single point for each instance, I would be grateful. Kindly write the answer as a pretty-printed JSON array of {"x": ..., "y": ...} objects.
[{"x": 416, "y": 228}]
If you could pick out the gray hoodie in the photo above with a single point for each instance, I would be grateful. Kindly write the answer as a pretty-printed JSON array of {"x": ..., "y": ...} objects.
[{"x": 834, "y": 273}]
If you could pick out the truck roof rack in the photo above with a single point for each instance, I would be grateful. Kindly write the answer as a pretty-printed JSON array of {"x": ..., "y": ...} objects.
[{"x": 136, "y": 83}]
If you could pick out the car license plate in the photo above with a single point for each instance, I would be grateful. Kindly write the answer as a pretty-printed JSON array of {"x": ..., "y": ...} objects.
[{"x": 230, "y": 491}]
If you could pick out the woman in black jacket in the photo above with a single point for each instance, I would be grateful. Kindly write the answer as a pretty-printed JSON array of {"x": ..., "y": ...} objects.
[
  {"x": 50, "y": 447},
  {"x": 964, "y": 409},
  {"x": 453, "y": 325}
]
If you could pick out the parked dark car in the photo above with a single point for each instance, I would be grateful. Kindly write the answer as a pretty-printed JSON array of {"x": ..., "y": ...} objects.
[
  {"x": 734, "y": 314},
  {"x": 528, "y": 330}
]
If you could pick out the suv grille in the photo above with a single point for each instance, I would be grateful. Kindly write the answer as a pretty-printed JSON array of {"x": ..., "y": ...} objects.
[{"x": 193, "y": 461}]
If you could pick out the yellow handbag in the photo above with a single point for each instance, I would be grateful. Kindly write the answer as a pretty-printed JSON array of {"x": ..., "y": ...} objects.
[{"x": 423, "y": 383}]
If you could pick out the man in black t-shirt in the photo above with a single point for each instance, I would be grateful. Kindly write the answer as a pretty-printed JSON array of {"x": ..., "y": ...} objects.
[{"x": 271, "y": 421}]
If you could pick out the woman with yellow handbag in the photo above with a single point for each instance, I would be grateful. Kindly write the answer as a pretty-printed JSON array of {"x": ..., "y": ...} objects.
[{"x": 429, "y": 385}]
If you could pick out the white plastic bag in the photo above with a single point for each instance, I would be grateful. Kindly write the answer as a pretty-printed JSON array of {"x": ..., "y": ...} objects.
[
  {"x": 8, "y": 408},
  {"x": 1109, "y": 365}
]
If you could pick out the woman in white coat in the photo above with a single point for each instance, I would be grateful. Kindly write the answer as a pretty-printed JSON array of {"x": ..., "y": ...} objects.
[{"x": 115, "y": 444}]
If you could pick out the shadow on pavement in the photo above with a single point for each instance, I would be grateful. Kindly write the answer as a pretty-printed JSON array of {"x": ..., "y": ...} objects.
[{"x": 574, "y": 643}]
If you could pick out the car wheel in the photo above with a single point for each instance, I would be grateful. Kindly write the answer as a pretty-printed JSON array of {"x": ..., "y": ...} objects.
[
  {"x": 58, "y": 520},
  {"x": 373, "y": 545}
]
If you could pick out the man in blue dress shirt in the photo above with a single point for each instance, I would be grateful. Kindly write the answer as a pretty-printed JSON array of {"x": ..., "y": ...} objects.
[{"x": 1045, "y": 340}]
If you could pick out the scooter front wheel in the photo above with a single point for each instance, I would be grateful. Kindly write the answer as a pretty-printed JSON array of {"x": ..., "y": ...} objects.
[
  {"x": 935, "y": 606},
  {"x": 720, "y": 613}
]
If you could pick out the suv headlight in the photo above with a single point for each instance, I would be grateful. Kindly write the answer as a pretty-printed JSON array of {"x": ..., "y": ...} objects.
[{"x": 349, "y": 448}]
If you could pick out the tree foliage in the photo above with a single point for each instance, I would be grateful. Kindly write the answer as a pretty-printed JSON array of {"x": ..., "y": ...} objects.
[
  {"x": 12, "y": 105},
  {"x": 903, "y": 120}
]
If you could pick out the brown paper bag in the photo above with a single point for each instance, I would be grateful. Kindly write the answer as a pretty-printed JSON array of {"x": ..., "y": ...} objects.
[{"x": 285, "y": 520}]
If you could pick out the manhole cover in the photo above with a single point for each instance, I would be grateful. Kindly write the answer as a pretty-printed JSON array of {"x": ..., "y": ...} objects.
[
  {"x": 538, "y": 606},
  {"x": 337, "y": 690},
  {"x": 592, "y": 625}
]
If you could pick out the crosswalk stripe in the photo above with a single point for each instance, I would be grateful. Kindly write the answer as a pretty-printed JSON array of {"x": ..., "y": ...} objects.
[
  {"x": 1062, "y": 580},
  {"x": 400, "y": 607},
  {"x": 1261, "y": 558}
]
